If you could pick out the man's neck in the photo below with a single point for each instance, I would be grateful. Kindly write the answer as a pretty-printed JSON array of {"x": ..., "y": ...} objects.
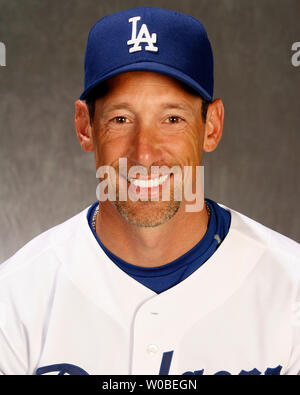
[{"x": 150, "y": 246}]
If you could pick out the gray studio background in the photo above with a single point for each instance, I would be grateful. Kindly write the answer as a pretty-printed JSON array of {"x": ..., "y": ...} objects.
[{"x": 46, "y": 178}]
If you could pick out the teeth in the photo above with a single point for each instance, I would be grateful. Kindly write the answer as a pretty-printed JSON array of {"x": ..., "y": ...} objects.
[{"x": 148, "y": 183}]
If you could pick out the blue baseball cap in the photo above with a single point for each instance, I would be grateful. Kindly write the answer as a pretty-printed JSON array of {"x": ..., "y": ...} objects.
[{"x": 150, "y": 39}]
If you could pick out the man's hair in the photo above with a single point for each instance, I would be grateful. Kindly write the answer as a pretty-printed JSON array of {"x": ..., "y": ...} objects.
[{"x": 102, "y": 89}]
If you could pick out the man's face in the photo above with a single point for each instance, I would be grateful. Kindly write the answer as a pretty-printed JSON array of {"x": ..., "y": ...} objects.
[{"x": 150, "y": 120}]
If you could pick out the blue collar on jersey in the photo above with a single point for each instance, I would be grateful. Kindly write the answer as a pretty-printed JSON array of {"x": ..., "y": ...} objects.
[{"x": 164, "y": 277}]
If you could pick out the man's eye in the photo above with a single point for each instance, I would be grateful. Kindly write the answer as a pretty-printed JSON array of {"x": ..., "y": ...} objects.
[
  {"x": 173, "y": 119},
  {"x": 120, "y": 120}
]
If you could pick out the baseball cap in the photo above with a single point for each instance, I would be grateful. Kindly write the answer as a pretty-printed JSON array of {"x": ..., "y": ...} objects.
[{"x": 149, "y": 39}]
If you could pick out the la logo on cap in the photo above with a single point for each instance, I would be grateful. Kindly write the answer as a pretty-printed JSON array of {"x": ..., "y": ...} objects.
[{"x": 142, "y": 37}]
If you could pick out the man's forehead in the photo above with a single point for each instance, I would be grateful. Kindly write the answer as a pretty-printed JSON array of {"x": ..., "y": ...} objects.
[{"x": 135, "y": 91}]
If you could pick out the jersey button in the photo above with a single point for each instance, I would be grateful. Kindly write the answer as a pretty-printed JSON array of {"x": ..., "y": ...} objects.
[{"x": 152, "y": 349}]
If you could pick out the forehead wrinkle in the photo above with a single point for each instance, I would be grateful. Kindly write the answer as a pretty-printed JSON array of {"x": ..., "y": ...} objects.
[
  {"x": 137, "y": 84},
  {"x": 177, "y": 106},
  {"x": 163, "y": 106},
  {"x": 117, "y": 106}
]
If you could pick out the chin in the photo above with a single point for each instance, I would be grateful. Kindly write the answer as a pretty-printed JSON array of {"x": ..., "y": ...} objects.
[{"x": 147, "y": 214}]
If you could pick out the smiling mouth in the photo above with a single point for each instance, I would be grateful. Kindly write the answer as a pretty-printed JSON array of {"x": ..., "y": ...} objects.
[{"x": 151, "y": 183}]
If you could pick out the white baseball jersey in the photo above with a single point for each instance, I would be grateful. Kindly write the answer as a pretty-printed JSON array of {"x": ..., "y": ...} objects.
[{"x": 66, "y": 307}]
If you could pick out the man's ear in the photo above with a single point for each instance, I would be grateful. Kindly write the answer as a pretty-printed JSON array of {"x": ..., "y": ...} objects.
[
  {"x": 214, "y": 125},
  {"x": 83, "y": 126}
]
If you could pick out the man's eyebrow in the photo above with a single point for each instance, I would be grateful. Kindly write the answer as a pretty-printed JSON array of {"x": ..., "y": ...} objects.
[
  {"x": 169, "y": 105},
  {"x": 178, "y": 106},
  {"x": 117, "y": 106}
]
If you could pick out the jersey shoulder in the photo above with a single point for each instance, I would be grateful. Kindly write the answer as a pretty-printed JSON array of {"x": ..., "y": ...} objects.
[
  {"x": 41, "y": 250},
  {"x": 273, "y": 238},
  {"x": 283, "y": 251}
]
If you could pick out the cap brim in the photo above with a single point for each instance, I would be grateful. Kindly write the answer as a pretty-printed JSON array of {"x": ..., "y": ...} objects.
[{"x": 154, "y": 67}]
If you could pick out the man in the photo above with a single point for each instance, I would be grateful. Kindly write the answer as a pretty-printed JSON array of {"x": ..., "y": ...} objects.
[{"x": 147, "y": 285}]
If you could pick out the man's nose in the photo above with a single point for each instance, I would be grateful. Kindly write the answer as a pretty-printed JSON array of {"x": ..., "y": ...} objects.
[{"x": 145, "y": 146}]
